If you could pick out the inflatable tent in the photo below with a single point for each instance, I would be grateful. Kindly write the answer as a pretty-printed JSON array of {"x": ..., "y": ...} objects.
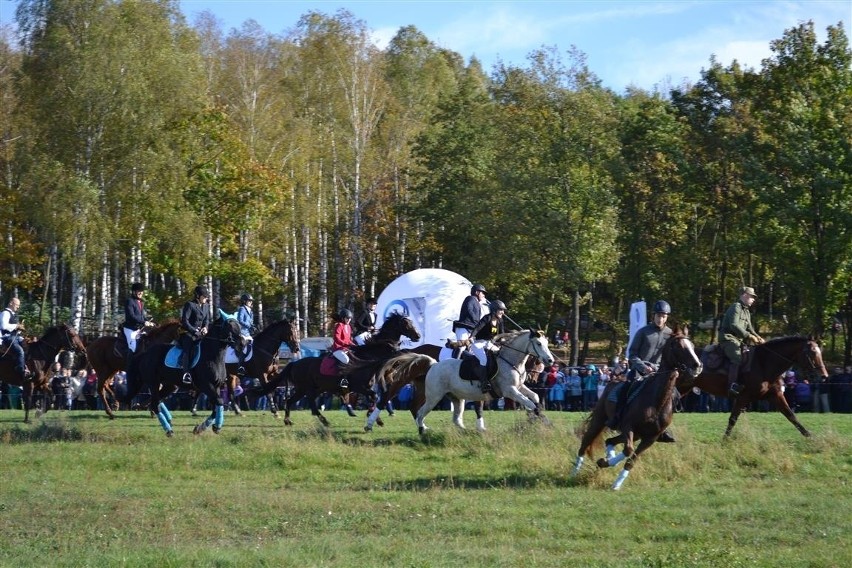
[{"x": 431, "y": 297}]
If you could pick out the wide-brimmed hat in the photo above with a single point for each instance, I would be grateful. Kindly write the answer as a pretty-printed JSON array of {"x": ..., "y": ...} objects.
[{"x": 748, "y": 290}]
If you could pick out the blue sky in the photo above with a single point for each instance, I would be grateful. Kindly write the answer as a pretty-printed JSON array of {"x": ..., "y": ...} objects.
[{"x": 641, "y": 43}]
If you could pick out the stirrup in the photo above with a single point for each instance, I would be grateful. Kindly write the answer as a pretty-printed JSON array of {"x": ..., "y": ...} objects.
[
  {"x": 187, "y": 379},
  {"x": 735, "y": 389},
  {"x": 344, "y": 383},
  {"x": 241, "y": 371}
]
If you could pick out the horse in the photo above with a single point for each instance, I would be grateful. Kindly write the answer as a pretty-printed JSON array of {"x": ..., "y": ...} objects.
[
  {"x": 763, "y": 379},
  {"x": 104, "y": 360},
  {"x": 307, "y": 378},
  {"x": 208, "y": 374},
  {"x": 444, "y": 377},
  {"x": 38, "y": 356},
  {"x": 264, "y": 359},
  {"x": 649, "y": 408}
]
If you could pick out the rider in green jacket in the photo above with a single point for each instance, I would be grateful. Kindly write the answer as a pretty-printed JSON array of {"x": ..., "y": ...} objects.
[{"x": 735, "y": 330}]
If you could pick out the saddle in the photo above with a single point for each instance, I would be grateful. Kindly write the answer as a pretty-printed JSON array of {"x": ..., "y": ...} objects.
[
  {"x": 329, "y": 366},
  {"x": 231, "y": 354},
  {"x": 471, "y": 370},
  {"x": 173, "y": 357},
  {"x": 714, "y": 360}
]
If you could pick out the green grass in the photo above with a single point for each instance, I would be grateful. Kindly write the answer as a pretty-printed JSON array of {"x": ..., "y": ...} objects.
[{"x": 80, "y": 490}]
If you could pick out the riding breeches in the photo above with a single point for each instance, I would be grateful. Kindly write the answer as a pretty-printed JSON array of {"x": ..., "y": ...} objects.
[
  {"x": 132, "y": 335},
  {"x": 341, "y": 356},
  {"x": 733, "y": 352}
]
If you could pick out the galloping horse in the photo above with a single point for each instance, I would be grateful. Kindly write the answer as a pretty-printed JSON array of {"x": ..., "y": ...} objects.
[
  {"x": 264, "y": 359},
  {"x": 106, "y": 362},
  {"x": 648, "y": 413},
  {"x": 39, "y": 355},
  {"x": 763, "y": 379},
  {"x": 514, "y": 349},
  {"x": 307, "y": 379},
  {"x": 208, "y": 374}
]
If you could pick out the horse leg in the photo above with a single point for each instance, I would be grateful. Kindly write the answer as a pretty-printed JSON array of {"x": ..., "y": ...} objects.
[
  {"x": 232, "y": 399},
  {"x": 458, "y": 411},
  {"x": 612, "y": 458},
  {"x": 784, "y": 408},
  {"x": 631, "y": 461},
  {"x": 515, "y": 394},
  {"x": 594, "y": 428},
  {"x": 374, "y": 411},
  {"x": 480, "y": 421},
  {"x": 431, "y": 400},
  {"x": 217, "y": 415},
  {"x": 737, "y": 409},
  {"x": 312, "y": 400},
  {"x": 103, "y": 388}
]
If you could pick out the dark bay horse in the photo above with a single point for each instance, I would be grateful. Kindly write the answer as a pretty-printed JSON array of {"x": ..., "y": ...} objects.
[
  {"x": 39, "y": 355},
  {"x": 304, "y": 376},
  {"x": 208, "y": 375},
  {"x": 649, "y": 411},
  {"x": 106, "y": 362},
  {"x": 264, "y": 361},
  {"x": 764, "y": 377}
]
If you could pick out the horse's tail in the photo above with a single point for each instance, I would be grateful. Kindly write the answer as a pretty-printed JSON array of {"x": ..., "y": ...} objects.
[{"x": 398, "y": 371}]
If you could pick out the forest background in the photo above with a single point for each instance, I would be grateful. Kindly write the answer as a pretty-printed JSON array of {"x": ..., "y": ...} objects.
[{"x": 311, "y": 169}]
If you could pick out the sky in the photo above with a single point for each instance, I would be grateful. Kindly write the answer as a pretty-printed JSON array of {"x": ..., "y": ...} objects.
[{"x": 645, "y": 44}]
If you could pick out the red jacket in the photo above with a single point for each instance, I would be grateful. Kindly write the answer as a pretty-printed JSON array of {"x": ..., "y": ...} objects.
[{"x": 342, "y": 336}]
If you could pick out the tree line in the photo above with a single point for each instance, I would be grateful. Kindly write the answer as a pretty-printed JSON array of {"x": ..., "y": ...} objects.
[{"x": 311, "y": 167}]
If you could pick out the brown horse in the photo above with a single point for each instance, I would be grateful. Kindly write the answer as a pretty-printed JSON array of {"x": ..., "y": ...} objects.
[
  {"x": 649, "y": 408},
  {"x": 39, "y": 355},
  {"x": 763, "y": 379},
  {"x": 264, "y": 361},
  {"x": 106, "y": 362}
]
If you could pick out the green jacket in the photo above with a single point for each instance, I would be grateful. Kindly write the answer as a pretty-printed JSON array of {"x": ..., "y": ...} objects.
[{"x": 736, "y": 325}]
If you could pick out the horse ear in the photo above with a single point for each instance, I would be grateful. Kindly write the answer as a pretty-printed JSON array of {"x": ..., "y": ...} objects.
[{"x": 227, "y": 316}]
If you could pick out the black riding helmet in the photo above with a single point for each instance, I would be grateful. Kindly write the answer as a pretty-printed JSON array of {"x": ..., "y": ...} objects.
[
  {"x": 201, "y": 291},
  {"x": 343, "y": 314},
  {"x": 137, "y": 287},
  {"x": 497, "y": 305},
  {"x": 662, "y": 307},
  {"x": 246, "y": 298},
  {"x": 477, "y": 288}
]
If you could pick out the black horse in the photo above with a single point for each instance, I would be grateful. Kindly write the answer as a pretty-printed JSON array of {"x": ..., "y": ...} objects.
[
  {"x": 208, "y": 375},
  {"x": 305, "y": 378}
]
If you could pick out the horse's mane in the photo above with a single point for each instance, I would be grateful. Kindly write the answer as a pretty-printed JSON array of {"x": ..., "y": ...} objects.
[
  {"x": 503, "y": 338},
  {"x": 780, "y": 341},
  {"x": 163, "y": 328}
]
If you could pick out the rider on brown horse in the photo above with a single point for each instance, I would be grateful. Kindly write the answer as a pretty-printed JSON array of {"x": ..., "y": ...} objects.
[
  {"x": 135, "y": 317},
  {"x": 735, "y": 330},
  {"x": 10, "y": 328}
]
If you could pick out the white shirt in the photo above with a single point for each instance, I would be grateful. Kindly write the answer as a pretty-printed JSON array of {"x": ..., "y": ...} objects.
[{"x": 5, "y": 326}]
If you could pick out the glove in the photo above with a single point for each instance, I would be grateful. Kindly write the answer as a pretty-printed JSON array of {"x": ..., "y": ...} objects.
[{"x": 756, "y": 339}]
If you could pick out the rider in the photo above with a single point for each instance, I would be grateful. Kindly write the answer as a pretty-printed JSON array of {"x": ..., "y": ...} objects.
[
  {"x": 10, "y": 328},
  {"x": 342, "y": 338},
  {"x": 245, "y": 318},
  {"x": 734, "y": 331},
  {"x": 135, "y": 317},
  {"x": 488, "y": 326},
  {"x": 366, "y": 324},
  {"x": 470, "y": 313},
  {"x": 194, "y": 319},
  {"x": 644, "y": 356}
]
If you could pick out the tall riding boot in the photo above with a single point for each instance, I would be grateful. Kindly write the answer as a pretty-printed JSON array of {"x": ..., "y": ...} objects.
[
  {"x": 187, "y": 377},
  {"x": 241, "y": 359},
  {"x": 734, "y": 388}
]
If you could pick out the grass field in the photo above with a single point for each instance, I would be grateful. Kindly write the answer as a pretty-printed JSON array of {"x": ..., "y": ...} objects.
[{"x": 80, "y": 490}]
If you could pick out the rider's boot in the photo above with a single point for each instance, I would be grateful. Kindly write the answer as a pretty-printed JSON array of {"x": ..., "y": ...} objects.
[
  {"x": 615, "y": 419},
  {"x": 187, "y": 378},
  {"x": 734, "y": 388}
]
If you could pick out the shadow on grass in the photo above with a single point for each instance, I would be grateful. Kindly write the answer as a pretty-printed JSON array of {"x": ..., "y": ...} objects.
[{"x": 44, "y": 432}]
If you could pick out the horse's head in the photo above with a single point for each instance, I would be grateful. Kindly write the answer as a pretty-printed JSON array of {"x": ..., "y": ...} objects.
[
  {"x": 288, "y": 332},
  {"x": 537, "y": 347},
  {"x": 63, "y": 336},
  {"x": 397, "y": 325},
  {"x": 810, "y": 360},
  {"x": 679, "y": 353},
  {"x": 228, "y": 331}
]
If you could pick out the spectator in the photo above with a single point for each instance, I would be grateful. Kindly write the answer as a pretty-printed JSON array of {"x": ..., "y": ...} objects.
[
  {"x": 819, "y": 389},
  {"x": 60, "y": 384},
  {"x": 574, "y": 391},
  {"x": 803, "y": 395},
  {"x": 841, "y": 390},
  {"x": 590, "y": 387},
  {"x": 790, "y": 389},
  {"x": 556, "y": 394},
  {"x": 603, "y": 380}
]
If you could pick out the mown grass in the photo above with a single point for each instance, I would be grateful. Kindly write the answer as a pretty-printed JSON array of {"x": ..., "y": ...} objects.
[{"x": 80, "y": 490}]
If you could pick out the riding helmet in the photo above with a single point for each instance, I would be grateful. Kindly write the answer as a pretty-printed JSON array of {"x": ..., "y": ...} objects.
[
  {"x": 662, "y": 307},
  {"x": 497, "y": 305},
  {"x": 343, "y": 314},
  {"x": 477, "y": 288},
  {"x": 246, "y": 298},
  {"x": 137, "y": 287},
  {"x": 201, "y": 291}
]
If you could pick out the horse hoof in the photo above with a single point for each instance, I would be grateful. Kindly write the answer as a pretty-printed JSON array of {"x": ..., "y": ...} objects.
[
  {"x": 379, "y": 422},
  {"x": 368, "y": 428},
  {"x": 216, "y": 429},
  {"x": 193, "y": 412},
  {"x": 288, "y": 422},
  {"x": 351, "y": 413},
  {"x": 602, "y": 463},
  {"x": 169, "y": 433},
  {"x": 197, "y": 430}
]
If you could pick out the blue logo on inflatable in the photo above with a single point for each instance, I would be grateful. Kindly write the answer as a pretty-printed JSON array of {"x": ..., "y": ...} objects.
[{"x": 396, "y": 307}]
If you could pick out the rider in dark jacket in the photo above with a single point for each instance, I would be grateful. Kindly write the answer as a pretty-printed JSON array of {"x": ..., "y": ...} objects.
[
  {"x": 194, "y": 319},
  {"x": 135, "y": 317}
]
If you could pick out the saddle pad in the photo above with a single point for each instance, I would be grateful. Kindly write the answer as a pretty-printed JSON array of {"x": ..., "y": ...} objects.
[
  {"x": 328, "y": 366},
  {"x": 634, "y": 386},
  {"x": 173, "y": 357},
  {"x": 231, "y": 354}
]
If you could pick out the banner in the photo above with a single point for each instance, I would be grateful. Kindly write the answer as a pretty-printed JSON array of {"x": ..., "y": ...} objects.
[{"x": 638, "y": 315}]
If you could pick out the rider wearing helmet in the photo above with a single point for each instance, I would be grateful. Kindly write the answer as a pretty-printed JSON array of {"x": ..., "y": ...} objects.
[
  {"x": 485, "y": 330},
  {"x": 471, "y": 312},
  {"x": 342, "y": 338},
  {"x": 135, "y": 317},
  {"x": 644, "y": 356},
  {"x": 194, "y": 319},
  {"x": 245, "y": 318}
]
